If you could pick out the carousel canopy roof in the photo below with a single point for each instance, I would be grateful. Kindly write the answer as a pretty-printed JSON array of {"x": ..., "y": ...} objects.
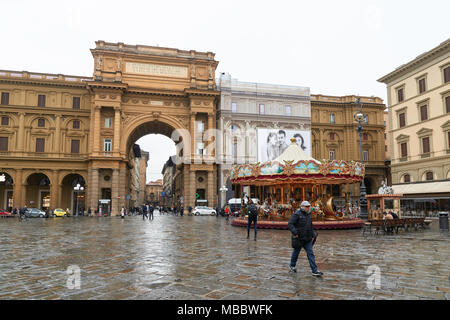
[
  {"x": 294, "y": 153},
  {"x": 295, "y": 166}
]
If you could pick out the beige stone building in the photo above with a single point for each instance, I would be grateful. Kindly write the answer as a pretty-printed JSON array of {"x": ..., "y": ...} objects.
[
  {"x": 419, "y": 130},
  {"x": 153, "y": 191},
  {"x": 334, "y": 136},
  {"x": 57, "y": 131}
]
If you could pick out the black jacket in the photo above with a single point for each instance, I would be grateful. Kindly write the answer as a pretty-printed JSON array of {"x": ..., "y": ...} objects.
[
  {"x": 301, "y": 224},
  {"x": 252, "y": 211}
]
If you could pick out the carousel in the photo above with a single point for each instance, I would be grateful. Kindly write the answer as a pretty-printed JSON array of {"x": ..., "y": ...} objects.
[{"x": 282, "y": 184}]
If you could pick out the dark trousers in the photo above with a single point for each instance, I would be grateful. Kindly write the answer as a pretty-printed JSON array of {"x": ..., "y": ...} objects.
[
  {"x": 250, "y": 220},
  {"x": 144, "y": 215},
  {"x": 151, "y": 215},
  {"x": 309, "y": 252}
]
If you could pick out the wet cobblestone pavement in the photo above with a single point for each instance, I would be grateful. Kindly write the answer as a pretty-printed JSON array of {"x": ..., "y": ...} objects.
[{"x": 207, "y": 258}]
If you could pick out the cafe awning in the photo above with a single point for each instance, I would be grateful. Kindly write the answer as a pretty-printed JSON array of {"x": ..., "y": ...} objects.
[{"x": 422, "y": 188}]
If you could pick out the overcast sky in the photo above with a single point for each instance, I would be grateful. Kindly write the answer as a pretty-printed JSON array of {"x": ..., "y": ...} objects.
[{"x": 333, "y": 47}]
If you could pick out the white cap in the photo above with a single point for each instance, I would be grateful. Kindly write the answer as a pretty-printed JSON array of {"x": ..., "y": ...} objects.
[{"x": 305, "y": 204}]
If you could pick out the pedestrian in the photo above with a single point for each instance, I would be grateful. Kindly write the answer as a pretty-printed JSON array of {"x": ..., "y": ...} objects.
[
  {"x": 150, "y": 212},
  {"x": 190, "y": 210},
  {"x": 303, "y": 235},
  {"x": 122, "y": 213},
  {"x": 68, "y": 212},
  {"x": 144, "y": 212},
  {"x": 227, "y": 212},
  {"x": 15, "y": 211},
  {"x": 252, "y": 217},
  {"x": 89, "y": 212}
]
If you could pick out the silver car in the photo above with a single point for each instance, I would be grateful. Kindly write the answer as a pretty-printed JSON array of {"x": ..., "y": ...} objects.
[
  {"x": 34, "y": 213},
  {"x": 204, "y": 211}
]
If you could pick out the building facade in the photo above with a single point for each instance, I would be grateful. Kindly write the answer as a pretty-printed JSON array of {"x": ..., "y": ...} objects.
[
  {"x": 248, "y": 115},
  {"x": 153, "y": 190},
  {"x": 419, "y": 130},
  {"x": 334, "y": 136},
  {"x": 58, "y": 131}
]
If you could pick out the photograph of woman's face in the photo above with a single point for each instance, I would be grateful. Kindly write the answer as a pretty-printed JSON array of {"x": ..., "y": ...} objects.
[{"x": 272, "y": 139}]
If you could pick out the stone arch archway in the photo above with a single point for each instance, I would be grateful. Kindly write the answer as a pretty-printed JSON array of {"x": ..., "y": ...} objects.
[
  {"x": 37, "y": 191},
  {"x": 6, "y": 191},
  {"x": 71, "y": 198}
]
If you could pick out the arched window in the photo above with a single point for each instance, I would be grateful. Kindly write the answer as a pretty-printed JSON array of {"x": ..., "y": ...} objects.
[
  {"x": 406, "y": 178},
  {"x": 429, "y": 176}
]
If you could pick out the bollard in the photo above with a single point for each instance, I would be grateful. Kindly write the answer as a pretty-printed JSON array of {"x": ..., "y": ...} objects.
[{"x": 443, "y": 221}]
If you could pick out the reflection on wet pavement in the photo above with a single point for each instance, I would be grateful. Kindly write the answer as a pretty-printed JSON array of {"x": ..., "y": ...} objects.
[{"x": 207, "y": 258}]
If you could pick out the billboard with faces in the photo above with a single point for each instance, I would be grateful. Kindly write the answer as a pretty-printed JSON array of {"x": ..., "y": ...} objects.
[{"x": 273, "y": 142}]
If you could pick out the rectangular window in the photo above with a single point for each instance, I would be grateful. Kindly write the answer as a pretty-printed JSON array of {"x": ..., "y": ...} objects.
[
  {"x": 200, "y": 126},
  {"x": 400, "y": 95},
  {"x": 75, "y": 147},
  {"x": 446, "y": 74},
  {"x": 108, "y": 122},
  {"x": 402, "y": 121},
  {"x": 407, "y": 178},
  {"x": 40, "y": 144},
  {"x": 76, "y": 124},
  {"x": 331, "y": 136},
  {"x": 422, "y": 85},
  {"x": 5, "y": 121},
  {"x": 426, "y": 145},
  {"x": 261, "y": 109},
  {"x": 365, "y": 155},
  {"x": 41, "y": 100},
  {"x": 5, "y": 98},
  {"x": 447, "y": 104},
  {"x": 200, "y": 148},
  {"x": 288, "y": 110},
  {"x": 385, "y": 147},
  {"x": 366, "y": 119},
  {"x": 332, "y": 154},
  {"x": 429, "y": 176},
  {"x": 41, "y": 123},
  {"x": 234, "y": 107},
  {"x": 76, "y": 103},
  {"x": 385, "y": 137},
  {"x": 332, "y": 118},
  {"x": 404, "y": 150},
  {"x": 448, "y": 138},
  {"x": 107, "y": 145},
  {"x": 3, "y": 143},
  {"x": 365, "y": 137},
  {"x": 423, "y": 113}
]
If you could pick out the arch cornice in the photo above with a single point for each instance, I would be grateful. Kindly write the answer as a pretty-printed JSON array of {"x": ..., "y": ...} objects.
[{"x": 135, "y": 121}]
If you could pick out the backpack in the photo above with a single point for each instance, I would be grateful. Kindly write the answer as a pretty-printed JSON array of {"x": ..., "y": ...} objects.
[{"x": 252, "y": 211}]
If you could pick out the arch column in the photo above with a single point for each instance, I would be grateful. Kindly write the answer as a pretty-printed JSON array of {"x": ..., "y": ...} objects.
[
  {"x": 115, "y": 192},
  {"x": 93, "y": 191},
  {"x": 116, "y": 142},
  {"x": 55, "y": 190},
  {"x": 18, "y": 189}
]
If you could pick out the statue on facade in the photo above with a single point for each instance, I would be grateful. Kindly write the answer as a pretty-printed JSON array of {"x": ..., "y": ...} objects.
[{"x": 385, "y": 189}]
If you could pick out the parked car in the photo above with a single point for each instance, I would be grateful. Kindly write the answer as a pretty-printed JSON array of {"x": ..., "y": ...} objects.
[
  {"x": 59, "y": 213},
  {"x": 34, "y": 213},
  {"x": 203, "y": 211},
  {"x": 4, "y": 213}
]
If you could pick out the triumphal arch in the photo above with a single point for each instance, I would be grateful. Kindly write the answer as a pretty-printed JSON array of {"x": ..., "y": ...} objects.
[{"x": 147, "y": 90}]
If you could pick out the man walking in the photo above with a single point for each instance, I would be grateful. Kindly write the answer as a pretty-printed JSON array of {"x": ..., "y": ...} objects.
[
  {"x": 252, "y": 217},
  {"x": 144, "y": 212},
  {"x": 150, "y": 212},
  {"x": 301, "y": 227}
]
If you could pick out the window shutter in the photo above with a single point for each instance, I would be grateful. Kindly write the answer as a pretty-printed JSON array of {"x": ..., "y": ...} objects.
[
  {"x": 5, "y": 98},
  {"x": 447, "y": 74},
  {"x": 426, "y": 145},
  {"x": 407, "y": 178},
  {"x": 421, "y": 85},
  {"x": 5, "y": 121},
  {"x": 40, "y": 144},
  {"x": 75, "y": 148},
  {"x": 447, "y": 104},
  {"x": 76, "y": 124},
  {"x": 400, "y": 95},
  {"x": 41, "y": 123},
  {"x": 41, "y": 100},
  {"x": 3, "y": 143},
  {"x": 402, "y": 119},
  {"x": 76, "y": 103},
  {"x": 404, "y": 150},
  {"x": 423, "y": 113}
]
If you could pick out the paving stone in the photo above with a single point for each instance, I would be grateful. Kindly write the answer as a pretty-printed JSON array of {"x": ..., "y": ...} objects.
[{"x": 207, "y": 258}]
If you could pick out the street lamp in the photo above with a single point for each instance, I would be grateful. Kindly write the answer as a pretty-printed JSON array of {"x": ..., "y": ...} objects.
[
  {"x": 224, "y": 190},
  {"x": 78, "y": 188},
  {"x": 359, "y": 117}
]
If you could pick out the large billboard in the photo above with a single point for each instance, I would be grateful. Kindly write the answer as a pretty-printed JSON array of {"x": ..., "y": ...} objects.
[{"x": 273, "y": 142}]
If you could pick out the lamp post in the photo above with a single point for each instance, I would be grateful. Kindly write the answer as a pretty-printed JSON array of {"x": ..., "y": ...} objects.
[
  {"x": 359, "y": 117},
  {"x": 78, "y": 188},
  {"x": 224, "y": 190}
]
